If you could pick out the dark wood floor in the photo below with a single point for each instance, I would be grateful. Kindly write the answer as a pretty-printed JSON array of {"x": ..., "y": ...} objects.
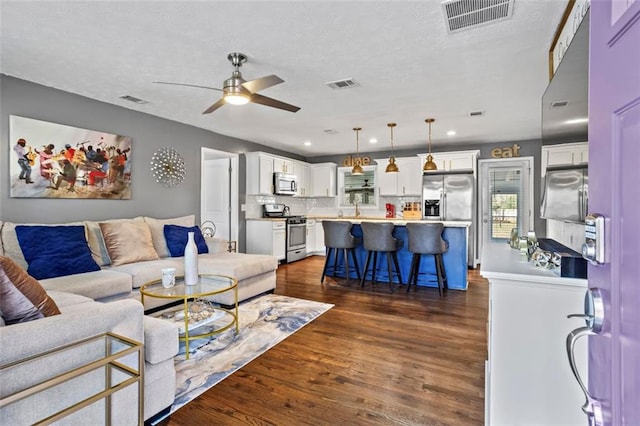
[{"x": 375, "y": 358}]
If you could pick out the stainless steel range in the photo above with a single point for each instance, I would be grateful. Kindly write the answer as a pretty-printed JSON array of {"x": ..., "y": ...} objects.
[
  {"x": 296, "y": 238},
  {"x": 296, "y": 230}
]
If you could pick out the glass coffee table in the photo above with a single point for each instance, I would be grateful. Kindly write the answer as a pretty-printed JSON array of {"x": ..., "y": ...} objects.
[{"x": 197, "y": 318}]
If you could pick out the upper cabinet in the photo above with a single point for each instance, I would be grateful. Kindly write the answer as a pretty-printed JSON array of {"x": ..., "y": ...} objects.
[
  {"x": 284, "y": 165},
  {"x": 303, "y": 173},
  {"x": 407, "y": 181},
  {"x": 314, "y": 180},
  {"x": 259, "y": 173},
  {"x": 323, "y": 179},
  {"x": 566, "y": 154},
  {"x": 454, "y": 160}
]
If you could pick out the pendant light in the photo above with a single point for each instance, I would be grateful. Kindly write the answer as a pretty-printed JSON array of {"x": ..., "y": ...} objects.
[
  {"x": 357, "y": 168},
  {"x": 429, "y": 165},
  {"x": 392, "y": 167}
]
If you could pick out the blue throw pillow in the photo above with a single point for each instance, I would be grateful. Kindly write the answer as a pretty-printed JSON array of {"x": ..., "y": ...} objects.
[
  {"x": 177, "y": 237},
  {"x": 55, "y": 251}
]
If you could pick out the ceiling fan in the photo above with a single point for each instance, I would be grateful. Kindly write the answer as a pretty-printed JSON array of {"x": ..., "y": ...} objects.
[{"x": 237, "y": 91}]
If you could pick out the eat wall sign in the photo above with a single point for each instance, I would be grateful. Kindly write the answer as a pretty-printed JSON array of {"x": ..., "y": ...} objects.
[{"x": 508, "y": 152}]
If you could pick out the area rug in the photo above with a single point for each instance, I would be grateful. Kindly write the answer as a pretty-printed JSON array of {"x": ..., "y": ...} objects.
[{"x": 264, "y": 322}]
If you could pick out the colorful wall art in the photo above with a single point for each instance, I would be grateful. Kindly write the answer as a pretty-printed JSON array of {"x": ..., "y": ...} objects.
[{"x": 49, "y": 160}]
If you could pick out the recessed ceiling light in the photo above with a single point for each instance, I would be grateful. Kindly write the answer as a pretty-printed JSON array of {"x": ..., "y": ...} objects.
[
  {"x": 451, "y": 133},
  {"x": 577, "y": 121},
  {"x": 373, "y": 140},
  {"x": 307, "y": 143}
]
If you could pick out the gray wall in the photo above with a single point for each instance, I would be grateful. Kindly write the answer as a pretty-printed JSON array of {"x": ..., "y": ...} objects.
[
  {"x": 528, "y": 148},
  {"x": 26, "y": 99}
]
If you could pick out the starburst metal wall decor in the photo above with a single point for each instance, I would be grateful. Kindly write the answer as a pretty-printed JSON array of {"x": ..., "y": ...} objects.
[{"x": 167, "y": 166}]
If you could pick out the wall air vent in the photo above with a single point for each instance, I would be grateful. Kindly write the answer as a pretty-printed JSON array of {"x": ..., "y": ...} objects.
[
  {"x": 559, "y": 104},
  {"x": 342, "y": 84},
  {"x": 134, "y": 99},
  {"x": 476, "y": 113},
  {"x": 463, "y": 14}
]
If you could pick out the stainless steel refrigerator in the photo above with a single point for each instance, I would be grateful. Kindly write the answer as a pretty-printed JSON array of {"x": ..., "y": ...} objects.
[
  {"x": 565, "y": 194},
  {"x": 450, "y": 196}
]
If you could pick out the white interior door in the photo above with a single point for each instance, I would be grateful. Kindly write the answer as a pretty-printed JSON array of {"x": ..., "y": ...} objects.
[
  {"x": 505, "y": 199},
  {"x": 219, "y": 192}
]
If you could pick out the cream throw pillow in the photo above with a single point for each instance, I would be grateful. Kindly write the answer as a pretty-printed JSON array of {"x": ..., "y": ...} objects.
[
  {"x": 96, "y": 242},
  {"x": 128, "y": 242}
]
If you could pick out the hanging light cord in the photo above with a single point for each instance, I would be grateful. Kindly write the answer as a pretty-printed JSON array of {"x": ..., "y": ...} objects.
[
  {"x": 391, "y": 127},
  {"x": 429, "y": 137}
]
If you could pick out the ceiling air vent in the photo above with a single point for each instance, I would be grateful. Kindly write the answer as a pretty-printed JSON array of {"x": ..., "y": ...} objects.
[
  {"x": 463, "y": 14},
  {"x": 134, "y": 99},
  {"x": 331, "y": 131},
  {"x": 342, "y": 84},
  {"x": 476, "y": 113},
  {"x": 559, "y": 104}
]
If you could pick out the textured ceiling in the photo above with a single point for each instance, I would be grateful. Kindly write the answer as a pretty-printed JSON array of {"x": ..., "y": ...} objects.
[{"x": 407, "y": 65}]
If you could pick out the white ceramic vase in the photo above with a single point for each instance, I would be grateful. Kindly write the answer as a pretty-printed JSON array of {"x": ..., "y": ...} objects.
[{"x": 191, "y": 261}]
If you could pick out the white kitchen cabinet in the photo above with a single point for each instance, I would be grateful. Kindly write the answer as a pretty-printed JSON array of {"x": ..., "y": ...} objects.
[
  {"x": 267, "y": 237},
  {"x": 528, "y": 378},
  {"x": 284, "y": 165},
  {"x": 323, "y": 179},
  {"x": 407, "y": 181},
  {"x": 302, "y": 172},
  {"x": 454, "y": 160},
  {"x": 311, "y": 236},
  {"x": 566, "y": 154},
  {"x": 259, "y": 173}
]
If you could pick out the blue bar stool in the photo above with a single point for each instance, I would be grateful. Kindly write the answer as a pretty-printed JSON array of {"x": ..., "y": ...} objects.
[
  {"x": 337, "y": 236},
  {"x": 378, "y": 238},
  {"x": 426, "y": 238}
]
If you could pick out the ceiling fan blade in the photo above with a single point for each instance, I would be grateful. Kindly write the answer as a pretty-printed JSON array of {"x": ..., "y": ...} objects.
[
  {"x": 274, "y": 103},
  {"x": 189, "y": 85},
  {"x": 262, "y": 83},
  {"x": 215, "y": 106}
]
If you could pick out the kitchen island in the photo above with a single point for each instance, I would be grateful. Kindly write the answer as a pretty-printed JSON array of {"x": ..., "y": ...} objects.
[
  {"x": 528, "y": 378},
  {"x": 455, "y": 259}
]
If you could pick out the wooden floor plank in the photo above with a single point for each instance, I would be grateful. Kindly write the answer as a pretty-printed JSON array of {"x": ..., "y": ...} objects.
[{"x": 376, "y": 358}]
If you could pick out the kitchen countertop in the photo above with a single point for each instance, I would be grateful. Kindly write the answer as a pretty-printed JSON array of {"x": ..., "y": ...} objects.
[
  {"x": 268, "y": 218},
  {"x": 500, "y": 261},
  {"x": 395, "y": 221}
]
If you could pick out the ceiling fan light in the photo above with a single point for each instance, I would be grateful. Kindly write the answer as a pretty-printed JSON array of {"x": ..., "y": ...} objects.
[
  {"x": 392, "y": 167},
  {"x": 236, "y": 99}
]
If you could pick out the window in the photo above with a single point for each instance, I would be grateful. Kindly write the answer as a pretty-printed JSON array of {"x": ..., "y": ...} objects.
[{"x": 360, "y": 189}]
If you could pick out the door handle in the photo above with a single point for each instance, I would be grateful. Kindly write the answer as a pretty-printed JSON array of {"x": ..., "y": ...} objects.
[{"x": 594, "y": 317}]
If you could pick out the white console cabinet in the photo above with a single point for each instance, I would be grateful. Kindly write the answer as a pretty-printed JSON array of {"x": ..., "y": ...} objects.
[{"x": 528, "y": 378}]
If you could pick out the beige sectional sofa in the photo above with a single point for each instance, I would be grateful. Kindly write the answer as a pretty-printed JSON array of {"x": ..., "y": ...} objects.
[{"x": 101, "y": 301}]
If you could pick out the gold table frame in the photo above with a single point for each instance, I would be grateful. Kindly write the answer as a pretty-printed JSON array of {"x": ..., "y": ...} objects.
[
  {"x": 181, "y": 291},
  {"x": 108, "y": 361}
]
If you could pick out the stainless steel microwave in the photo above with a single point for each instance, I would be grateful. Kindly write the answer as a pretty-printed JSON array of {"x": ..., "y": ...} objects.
[{"x": 284, "y": 184}]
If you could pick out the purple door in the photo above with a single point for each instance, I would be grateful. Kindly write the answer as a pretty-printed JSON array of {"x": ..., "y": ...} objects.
[{"x": 614, "y": 179}]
